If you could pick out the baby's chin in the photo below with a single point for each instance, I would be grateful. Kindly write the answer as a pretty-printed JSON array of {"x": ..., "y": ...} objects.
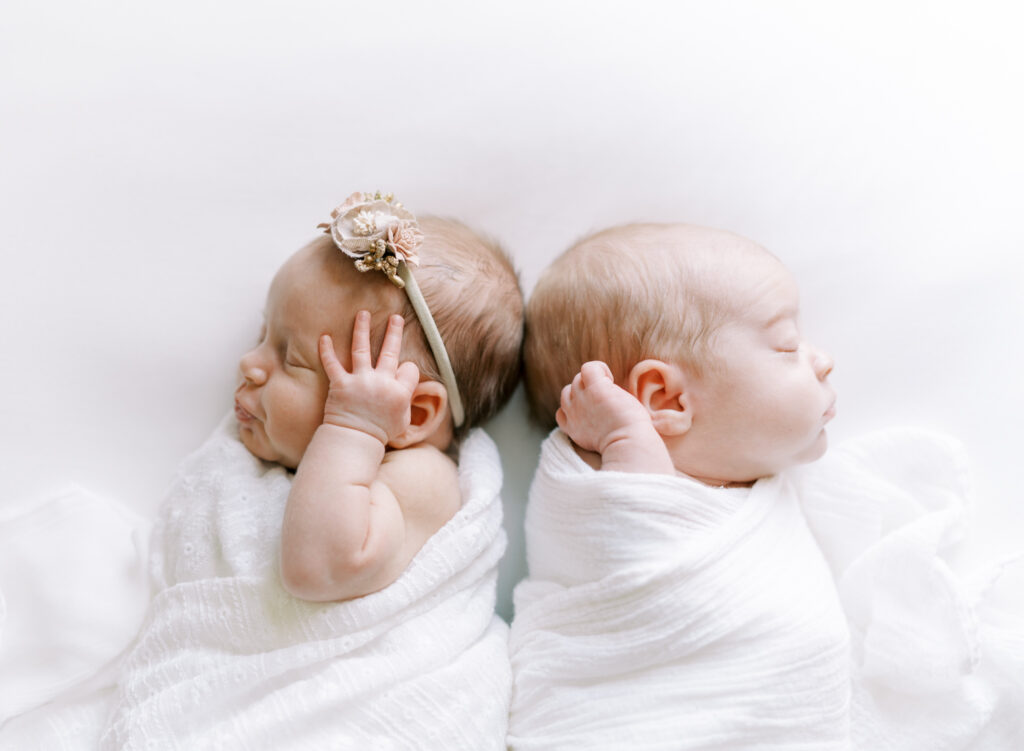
[
  {"x": 255, "y": 445},
  {"x": 816, "y": 450}
]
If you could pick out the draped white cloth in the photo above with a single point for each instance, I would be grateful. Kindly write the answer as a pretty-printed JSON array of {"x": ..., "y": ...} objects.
[
  {"x": 820, "y": 610},
  {"x": 227, "y": 659},
  {"x": 73, "y": 591},
  {"x": 937, "y": 660}
]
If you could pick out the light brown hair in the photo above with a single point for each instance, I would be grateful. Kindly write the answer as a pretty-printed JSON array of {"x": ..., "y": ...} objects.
[
  {"x": 623, "y": 295},
  {"x": 473, "y": 294}
]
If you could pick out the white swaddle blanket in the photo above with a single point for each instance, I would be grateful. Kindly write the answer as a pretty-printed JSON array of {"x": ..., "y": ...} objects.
[
  {"x": 663, "y": 614},
  {"x": 227, "y": 659}
]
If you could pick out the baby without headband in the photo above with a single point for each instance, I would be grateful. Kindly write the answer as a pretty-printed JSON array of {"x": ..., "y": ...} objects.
[{"x": 382, "y": 235}]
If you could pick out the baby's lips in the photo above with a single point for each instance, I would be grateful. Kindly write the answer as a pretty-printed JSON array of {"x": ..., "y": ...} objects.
[
  {"x": 831, "y": 411},
  {"x": 243, "y": 415}
]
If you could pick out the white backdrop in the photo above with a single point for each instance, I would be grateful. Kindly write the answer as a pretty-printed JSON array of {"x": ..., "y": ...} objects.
[{"x": 160, "y": 160}]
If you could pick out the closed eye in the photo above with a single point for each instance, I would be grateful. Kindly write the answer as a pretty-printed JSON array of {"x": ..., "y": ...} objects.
[{"x": 293, "y": 359}]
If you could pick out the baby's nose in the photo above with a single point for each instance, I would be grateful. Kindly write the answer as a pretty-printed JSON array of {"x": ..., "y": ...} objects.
[
  {"x": 823, "y": 363},
  {"x": 251, "y": 371}
]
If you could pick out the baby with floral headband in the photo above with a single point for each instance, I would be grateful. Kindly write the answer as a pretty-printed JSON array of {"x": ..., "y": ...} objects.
[
  {"x": 369, "y": 440},
  {"x": 325, "y": 564},
  {"x": 691, "y": 585}
]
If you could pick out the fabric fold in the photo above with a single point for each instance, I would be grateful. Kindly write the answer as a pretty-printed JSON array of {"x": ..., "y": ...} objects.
[{"x": 937, "y": 654}]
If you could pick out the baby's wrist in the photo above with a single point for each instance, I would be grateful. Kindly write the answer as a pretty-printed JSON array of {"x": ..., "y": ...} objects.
[
  {"x": 353, "y": 427},
  {"x": 634, "y": 433},
  {"x": 636, "y": 448}
]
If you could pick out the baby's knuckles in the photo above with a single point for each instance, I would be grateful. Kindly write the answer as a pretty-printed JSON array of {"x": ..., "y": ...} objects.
[
  {"x": 377, "y": 405},
  {"x": 613, "y": 407},
  {"x": 601, "y": 414}
]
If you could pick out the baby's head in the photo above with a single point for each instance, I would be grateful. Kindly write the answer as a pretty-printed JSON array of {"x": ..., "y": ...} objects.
[
  {"x": 701, "y": 325},
  {"x": 472, "y": 293}
]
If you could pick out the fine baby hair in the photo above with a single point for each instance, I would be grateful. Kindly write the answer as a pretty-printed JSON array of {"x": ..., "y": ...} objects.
[
  {"x": 624, "y": 294},
  {"x": 468, "y": 286}
]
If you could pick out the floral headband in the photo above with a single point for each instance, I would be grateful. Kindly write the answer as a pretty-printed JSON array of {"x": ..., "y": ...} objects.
[{"x": 381, "y": 235}]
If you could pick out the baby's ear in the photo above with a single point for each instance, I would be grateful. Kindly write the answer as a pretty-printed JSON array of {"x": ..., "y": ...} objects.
[
  {"x": 661, "y": 388},
  {"x": 429, "y": 413}
]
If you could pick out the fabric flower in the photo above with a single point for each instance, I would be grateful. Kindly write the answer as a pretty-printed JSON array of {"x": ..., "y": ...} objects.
[
  {"x": 405, "y": 236},
  {"x": 364, "y": 221}
]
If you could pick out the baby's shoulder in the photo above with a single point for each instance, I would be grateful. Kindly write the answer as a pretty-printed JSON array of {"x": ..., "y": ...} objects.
[{"x": 424, "y": 480}]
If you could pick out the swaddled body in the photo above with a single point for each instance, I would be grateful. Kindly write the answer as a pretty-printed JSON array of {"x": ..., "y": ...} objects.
[
  {"x": 664, "y": 614},
  {"x": 227, "y": 658}
]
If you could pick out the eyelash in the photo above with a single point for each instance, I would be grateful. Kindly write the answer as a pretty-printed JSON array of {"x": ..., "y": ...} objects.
[{"x": 288, "y": 362}]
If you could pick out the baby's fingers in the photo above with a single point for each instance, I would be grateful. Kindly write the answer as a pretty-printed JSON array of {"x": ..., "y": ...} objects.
[
  {"x": 566, "y": 398},
  {"x": 361, "y": 359},
  {"x": 408, "y": 375},
  {"x": 594, "y": 371},
  {"x": 392, "y": 346},
  {"x": 332, "y": 367}
]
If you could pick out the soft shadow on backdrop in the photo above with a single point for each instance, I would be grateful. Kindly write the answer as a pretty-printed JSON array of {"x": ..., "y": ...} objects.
[{"x": 160, "y": 161}]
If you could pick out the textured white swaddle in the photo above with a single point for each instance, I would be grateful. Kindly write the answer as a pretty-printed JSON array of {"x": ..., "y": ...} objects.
[
  {"x": 227, "y": 659},
  {"x": 663, "y": 614}
]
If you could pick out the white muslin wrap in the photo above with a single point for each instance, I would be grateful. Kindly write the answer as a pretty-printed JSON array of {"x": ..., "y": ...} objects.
[
  {"x": 227, "y": 659},
  {"x": 663, "y": 614}
]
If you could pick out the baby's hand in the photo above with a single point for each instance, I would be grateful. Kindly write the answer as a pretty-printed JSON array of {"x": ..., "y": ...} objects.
[
  {"x": 375, "y": 400},
  {"x": 600, "y": 416},
  {"x": 595, "y": 412}
]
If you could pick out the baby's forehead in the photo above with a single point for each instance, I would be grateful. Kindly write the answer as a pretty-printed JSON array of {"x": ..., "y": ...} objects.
[
  {"x": 315, "y": 259},
  {"x": 304, "y": 276},
  {"x": 752, "y": 277},
  {"x": 321, "y": 280}
]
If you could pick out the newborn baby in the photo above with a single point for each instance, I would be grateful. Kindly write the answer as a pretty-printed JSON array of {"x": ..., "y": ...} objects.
[
  {"x": 333, "y": 606},
  {"x": 683, "y": 566}
]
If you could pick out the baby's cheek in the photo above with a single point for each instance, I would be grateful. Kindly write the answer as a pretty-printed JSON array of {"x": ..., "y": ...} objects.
[{"x": 312, "y": 416}]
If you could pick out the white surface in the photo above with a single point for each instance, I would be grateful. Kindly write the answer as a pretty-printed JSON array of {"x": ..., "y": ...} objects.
[
  {"x": 74, "y": 585},
  {"x": 159, "y": 161}
]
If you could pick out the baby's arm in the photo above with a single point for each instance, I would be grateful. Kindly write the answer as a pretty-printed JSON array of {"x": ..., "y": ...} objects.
[
  {"x": 602, "y": 417},
  {"x": 345, "y": 531}
]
